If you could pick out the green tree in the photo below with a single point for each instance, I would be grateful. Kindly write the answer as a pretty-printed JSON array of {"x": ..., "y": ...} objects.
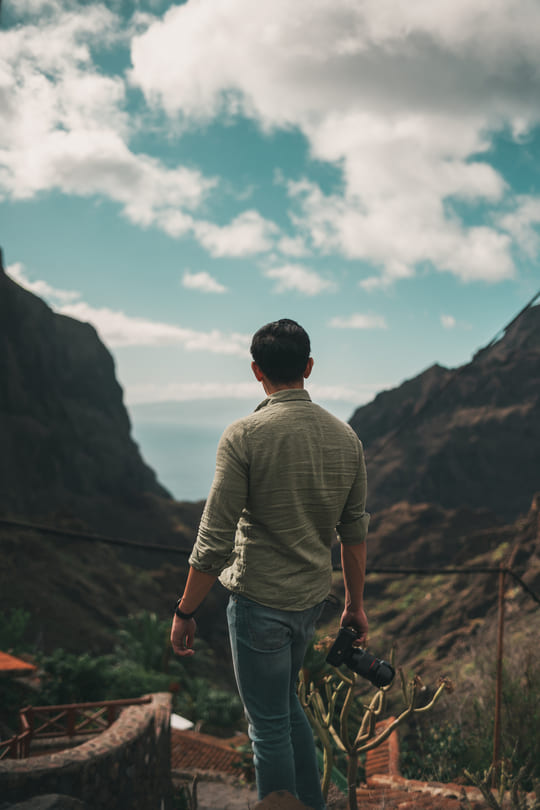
[{"x": 144, "y": 639}]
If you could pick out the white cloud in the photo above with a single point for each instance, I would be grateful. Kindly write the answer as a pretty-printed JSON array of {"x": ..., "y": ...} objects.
[
  {"x": 88, "y": 163},
  {"x": 358, "y": 321},
  {"x": 357, "y": 394},
  {"x": 379, "y": 282},
  {"x": 294, "y": 246},
  {"x": 448, "y": 321},
  {"x": 248, "y": 234},
  {"x": 118, "y": 329},
  {"x": 143, "y": 393},
  {"x": 286, "y": 63},
  {"x": 65, "y": 125},
  {"x": 403, "y": 97},
  {"x": 522, "y": 223},
  {"x": 298, "y": 278},
  {"x": 139, "y": 394},
  {"x": 18, "y": 273},
  {"x": 419, "y": 232},
  {"x": 203, "y": 282}
]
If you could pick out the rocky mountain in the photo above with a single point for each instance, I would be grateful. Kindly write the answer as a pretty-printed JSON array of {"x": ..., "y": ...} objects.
[
  {"x": 66, "y": 450},
  {"x": 438, "y": 620},
  {"x": 453, "y": 474},
  {"x": 67, "y": 459},
  {"x": 462, "y": 438}
]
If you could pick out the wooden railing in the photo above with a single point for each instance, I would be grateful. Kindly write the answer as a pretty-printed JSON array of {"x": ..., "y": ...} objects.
[{"x": 72, "y": 720}]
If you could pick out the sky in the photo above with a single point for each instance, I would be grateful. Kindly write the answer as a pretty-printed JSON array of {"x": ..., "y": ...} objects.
[{"x": 180, "y": 174}]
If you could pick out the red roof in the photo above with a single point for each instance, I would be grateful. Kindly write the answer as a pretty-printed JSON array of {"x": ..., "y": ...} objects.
[
  {"x": 8, "y": 663},
  {"x": 191, "y": 750}
]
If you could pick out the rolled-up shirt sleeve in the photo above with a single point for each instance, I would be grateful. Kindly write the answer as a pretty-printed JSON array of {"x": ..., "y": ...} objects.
[
  {"x": 214, "y": 546},
  {"x": 353, "y": 524}
]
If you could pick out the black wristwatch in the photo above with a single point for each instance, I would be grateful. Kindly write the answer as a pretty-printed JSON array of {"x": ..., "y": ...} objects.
[{"x": 180, "y": 613}]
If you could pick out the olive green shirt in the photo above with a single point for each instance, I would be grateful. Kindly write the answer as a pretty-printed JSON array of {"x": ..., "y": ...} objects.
[{"x": 287, "y": 476}]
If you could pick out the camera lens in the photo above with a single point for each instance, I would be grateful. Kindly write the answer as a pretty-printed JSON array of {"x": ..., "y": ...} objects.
[{"x": 378, "y": 672}]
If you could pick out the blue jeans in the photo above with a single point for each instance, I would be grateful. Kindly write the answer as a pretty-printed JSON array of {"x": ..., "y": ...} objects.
[{"x": 268, "y": 648}]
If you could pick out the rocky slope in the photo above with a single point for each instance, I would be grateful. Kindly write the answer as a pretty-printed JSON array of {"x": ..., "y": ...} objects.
[
  {"x": 66, "y": 450},
  {"x": 467, "y": 437},
  {"x": 67, "y": 459},
  {"x": 440, "y": 622},
  {"x": 453, "y": 470}
]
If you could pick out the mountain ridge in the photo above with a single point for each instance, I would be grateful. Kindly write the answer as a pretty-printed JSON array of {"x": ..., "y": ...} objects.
[
  {"x": 66, "y": 449},
  {"x": 461, "y": 437}
]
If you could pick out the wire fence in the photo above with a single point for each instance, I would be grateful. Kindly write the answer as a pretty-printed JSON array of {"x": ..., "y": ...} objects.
[{"x": 183, "y": 552}]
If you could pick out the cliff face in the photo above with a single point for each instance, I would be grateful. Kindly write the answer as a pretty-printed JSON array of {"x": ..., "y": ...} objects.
[
  {"x": 65, "y": 436},
  {"x": 439, "y": 620},
  {"x": 467, "y": 438}
]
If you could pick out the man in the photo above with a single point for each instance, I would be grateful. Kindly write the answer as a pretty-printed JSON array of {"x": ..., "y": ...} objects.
[{"x": 286, "y": 477}]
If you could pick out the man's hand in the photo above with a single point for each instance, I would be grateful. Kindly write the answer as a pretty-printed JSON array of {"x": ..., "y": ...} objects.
[
  {"x": 183, "y": 635},
  {"x": 358, "y": 620},
  {"x": 353, "y": 561}
]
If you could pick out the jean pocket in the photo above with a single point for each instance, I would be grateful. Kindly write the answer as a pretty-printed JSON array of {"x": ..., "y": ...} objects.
[{"x": 266, "y": 629}]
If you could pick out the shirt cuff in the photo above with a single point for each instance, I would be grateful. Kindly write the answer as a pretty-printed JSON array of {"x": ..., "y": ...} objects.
[
  {"x": 354, "y": 533},
  {"x": 208, "y": 562}
]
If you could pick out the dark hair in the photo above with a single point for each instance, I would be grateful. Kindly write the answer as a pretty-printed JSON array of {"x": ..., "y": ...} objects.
[{"x": 281, "y": 350}]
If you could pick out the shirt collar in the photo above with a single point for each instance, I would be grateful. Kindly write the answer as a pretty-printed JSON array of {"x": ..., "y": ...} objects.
[{"x": 287, "y": 395}]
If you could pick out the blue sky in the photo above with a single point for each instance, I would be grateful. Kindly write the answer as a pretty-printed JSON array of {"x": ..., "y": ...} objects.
[{"x": 179, "y": 174}]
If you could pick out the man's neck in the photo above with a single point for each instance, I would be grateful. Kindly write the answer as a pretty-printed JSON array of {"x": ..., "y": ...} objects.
[{"x": 273, "y": 388}]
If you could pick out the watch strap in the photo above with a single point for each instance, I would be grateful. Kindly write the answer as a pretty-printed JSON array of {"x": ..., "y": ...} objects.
[{"x": 180, "y": 613}]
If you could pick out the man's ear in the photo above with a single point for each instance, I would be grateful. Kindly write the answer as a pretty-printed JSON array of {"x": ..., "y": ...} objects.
[
  {"x": 256, "y": 370},
  {"x": 309, "y": 368}
]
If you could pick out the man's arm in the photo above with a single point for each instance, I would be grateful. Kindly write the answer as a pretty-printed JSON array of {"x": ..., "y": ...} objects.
[
  {"x": 215, "y": 538},
  {"x": 183, "y": 630},
  {"x": 353, "y": 523},
  {"x": 353, "y": 561},
  {"x": 352, "y": 530}
]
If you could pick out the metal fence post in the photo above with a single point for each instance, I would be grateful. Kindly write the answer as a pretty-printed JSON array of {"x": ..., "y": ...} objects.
[{"x": 499, "y": 675}]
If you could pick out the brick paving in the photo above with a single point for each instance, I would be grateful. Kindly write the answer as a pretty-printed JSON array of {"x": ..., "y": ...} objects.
[
  {"x": 393, "y": 793},
  {"x": 220, "y": 787},
  {"x": 191, "y": 751}
]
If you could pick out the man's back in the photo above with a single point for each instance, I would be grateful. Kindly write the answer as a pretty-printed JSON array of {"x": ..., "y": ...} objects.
[{"x": 286, "y": 475}]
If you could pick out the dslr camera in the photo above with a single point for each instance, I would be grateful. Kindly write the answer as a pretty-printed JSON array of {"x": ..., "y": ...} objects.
[{"x": 379, "y": 672}]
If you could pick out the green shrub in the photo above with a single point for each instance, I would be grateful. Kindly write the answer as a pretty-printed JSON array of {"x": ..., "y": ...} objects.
[
  {"x": 439, "y": 754},
  {"x": 13, "y": 696},
  {"x": 71, "y": 678},
  {"x": 140, "y": 664},
  {"x": 144, "y": 639},
  {"x": 460, "y": 736},
  {"x": 13, "y": 626},
  {"x": 209, "y": 706}
]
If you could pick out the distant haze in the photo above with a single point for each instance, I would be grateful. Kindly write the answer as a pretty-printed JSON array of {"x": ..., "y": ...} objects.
[{"x": 179, "y": 439}]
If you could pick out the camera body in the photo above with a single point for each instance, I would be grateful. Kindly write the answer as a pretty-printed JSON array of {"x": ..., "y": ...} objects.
[{"x": 343, "y": 651}]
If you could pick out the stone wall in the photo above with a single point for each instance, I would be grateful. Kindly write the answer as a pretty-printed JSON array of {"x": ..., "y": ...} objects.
[{"x": 126, "y": 766}]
